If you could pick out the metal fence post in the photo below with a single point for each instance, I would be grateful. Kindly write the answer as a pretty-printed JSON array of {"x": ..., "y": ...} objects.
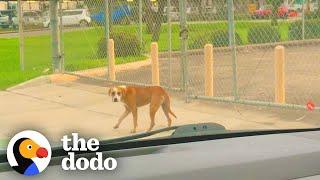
[
  {"x": 21, "y": 35},
  {"x": 303, "y": 20},
  {"x": 106, "y": 24},
  {"x": 140, "y": 25},
  {"x": 110, "y": 9},
  {"x": 61, "y": 35},
  {"x": 184, "y": 46},
  {"x": 170, "y": 40},
  {"x": 232, "y": 45},
  {"x": 107, "y": 31},
  {"x": 55, "y": 36}
]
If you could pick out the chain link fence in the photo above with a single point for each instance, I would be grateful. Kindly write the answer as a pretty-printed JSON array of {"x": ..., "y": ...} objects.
[
  {"x": 35, "y": 43},
  {"x": 80, "y": 37},
  {"x": 133, "y": 25},
  {"x": 243, "y": 33},
  {"x": 244, "y": 69}
]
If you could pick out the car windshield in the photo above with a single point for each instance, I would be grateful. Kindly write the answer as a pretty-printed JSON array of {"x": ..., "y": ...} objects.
[{"x": 206, "y": 68}]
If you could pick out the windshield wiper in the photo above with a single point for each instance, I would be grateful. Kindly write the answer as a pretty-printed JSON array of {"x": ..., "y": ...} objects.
[
  {"x": 179, "y": 131},
  {"x": 138, "y": 136}
]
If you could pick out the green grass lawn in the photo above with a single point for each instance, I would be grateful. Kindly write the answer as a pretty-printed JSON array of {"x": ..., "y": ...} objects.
[
  {"x": 80, "y": 48},
  {"x": 10, "y": 73},
  {"x": 80, "y": 53}
]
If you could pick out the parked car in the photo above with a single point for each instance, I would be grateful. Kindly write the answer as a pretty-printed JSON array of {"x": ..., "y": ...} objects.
[
  {"x": 283, "y": 12},
  {"x": 80, "y": 17},
  {"x": 8, "y": 18},
  {"x": 119, "y": 14},
  {"x": 34, "y": 18}
]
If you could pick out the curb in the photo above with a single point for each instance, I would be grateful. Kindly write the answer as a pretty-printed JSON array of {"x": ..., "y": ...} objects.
[
  {"x": 101, "y": 71},
  {"x": 33, "y": 82},
  {"x": 64, "y": 78},
  {"x": 46, "y": 79}
]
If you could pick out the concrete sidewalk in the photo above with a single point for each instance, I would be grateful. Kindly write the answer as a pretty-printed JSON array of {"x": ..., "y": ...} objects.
[{"x": 59, "y": 109}]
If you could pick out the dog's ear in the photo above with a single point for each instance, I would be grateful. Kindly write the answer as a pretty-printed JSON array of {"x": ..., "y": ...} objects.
[{"x": 123, "y": 89}]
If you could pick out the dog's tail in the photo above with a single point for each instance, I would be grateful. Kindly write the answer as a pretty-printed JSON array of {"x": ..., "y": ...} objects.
[{"x": 168, "y": 106}]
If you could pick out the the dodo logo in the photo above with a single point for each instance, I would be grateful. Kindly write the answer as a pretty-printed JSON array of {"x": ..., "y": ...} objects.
[{"x": 29, "y": 153}]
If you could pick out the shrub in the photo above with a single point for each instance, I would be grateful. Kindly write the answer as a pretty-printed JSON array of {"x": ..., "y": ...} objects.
[
  {"x": 218, "y": 38},
  {"x": 263, "y": 34},
  {"x": 312, "y": 29},
  {"x": 125, "y": 44}
]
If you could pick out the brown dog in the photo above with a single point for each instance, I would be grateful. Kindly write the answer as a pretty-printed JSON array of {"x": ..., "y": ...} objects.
[{"x": 134, "y": 97}]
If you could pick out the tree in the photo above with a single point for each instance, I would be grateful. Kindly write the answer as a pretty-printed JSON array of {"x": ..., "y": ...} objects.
[{"x": 275, "y": 5}]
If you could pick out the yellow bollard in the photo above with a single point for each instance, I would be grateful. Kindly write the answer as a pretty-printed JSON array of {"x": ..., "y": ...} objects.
[
  {"x": 208, "y": 58},
  {"x": 111, "y": 59},
  {"x": 280, "y": 94},
  {"x": 155, "y": 64}
]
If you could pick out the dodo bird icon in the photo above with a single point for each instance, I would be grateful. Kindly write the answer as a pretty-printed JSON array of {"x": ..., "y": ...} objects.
[
  {"x": 29, "y": 153},
  {"x": 24, "y": 150}
]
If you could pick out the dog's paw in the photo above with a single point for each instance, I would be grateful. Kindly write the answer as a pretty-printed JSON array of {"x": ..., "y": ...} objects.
[{"x": 116, "y": 127}]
